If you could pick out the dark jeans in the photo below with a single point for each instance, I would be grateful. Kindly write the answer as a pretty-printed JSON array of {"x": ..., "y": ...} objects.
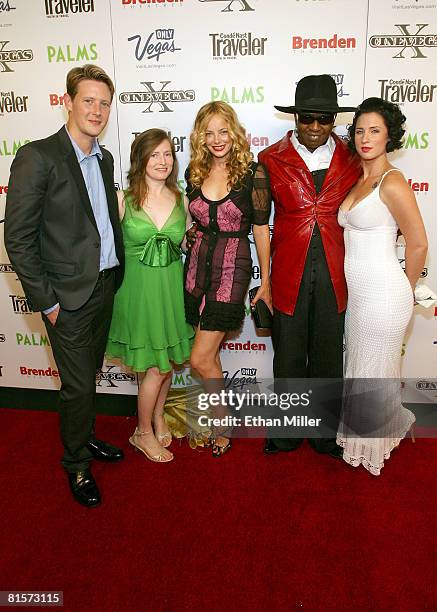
[
  {"x": 309, "y": 344},
  {"x": 78, "y": 341}
]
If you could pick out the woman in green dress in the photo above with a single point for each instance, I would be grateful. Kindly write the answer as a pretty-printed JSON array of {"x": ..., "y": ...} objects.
[{"x": 148, "y": 329}]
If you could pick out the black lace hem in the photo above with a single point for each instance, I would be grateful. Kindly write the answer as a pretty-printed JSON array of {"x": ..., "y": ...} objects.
[{"x": 216, "y": 316}]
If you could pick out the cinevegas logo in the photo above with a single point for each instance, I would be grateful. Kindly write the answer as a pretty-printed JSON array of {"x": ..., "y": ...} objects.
[
  {"x": 230, "y": 4},
  {"x": 111, "y": 378},
  {"x": 414, "y": 41},
  {"x": 8, "y": 56},
  {"x": 426, "y": 385},
  {"x": 161, "y": 97},
  {"x": 6, "y": 268}
]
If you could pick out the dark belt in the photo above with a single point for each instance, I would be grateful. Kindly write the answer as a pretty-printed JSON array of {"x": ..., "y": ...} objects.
[
  {"x": 207, "y": 230},
  {"x": 105, "y": 273}
]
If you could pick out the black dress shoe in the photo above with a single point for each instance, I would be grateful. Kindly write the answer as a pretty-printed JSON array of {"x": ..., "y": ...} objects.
[
  {"x": 270, "y": 447},
  {"x": 84, "y": 488},
  {"x": 336, "y": 452},
  {"x": 104, "y": 451}
]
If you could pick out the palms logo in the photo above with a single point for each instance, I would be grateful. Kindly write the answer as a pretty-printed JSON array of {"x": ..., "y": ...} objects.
[
  {"x": 405, "y": 40},
  {"x": 244, "y": 6}
]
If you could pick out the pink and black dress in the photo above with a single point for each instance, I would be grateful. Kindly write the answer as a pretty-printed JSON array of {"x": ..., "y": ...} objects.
[{"x": 219, "y": 265}]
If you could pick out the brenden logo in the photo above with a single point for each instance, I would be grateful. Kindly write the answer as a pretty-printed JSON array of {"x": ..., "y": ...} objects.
[
  {"x": 161, "y": 97},
  {"x": 243, "y": 346},
  {"x": 8, "y": 56},
  {"x": 11, "y": 103},
  {"x": 406, "y": 90},
  {"x": 72, "y": 53},
  {"x": 414, "y": 41},
  {"x": 232, "y": 4},
  {"x": 234, "y": 44},
  {"x": 239, "y": 95},
  {"x": 416, "y": 186},
  {"x": 6, "y": 6},
  {"x": 20, "y": 304},
  {"x": 56, "y": 100},
  {"x": 63, "y": 8},
  {"x": 48, "y": 372},
  {"x": 33, "y": 339},
  {"x": 339, "y": 81},
  {"x": 10, "y": 147},
  {"x": 111, "y": 378},
  {"x": 149, "y": 2},
  {"x": 158, "y": 43},
  {"x": 258, "y": 141},
  {"x": 335, "y": 42}
]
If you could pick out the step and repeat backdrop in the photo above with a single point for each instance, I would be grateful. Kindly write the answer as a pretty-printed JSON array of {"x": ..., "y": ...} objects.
[{"x": 167, "y": 58}]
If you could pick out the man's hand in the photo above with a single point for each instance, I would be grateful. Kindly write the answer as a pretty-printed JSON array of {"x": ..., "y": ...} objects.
[
  {"x": 191, "y": 235},
  {"x": 52, "y": 316}
]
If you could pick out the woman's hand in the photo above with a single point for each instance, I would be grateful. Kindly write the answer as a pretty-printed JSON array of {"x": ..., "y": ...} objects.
[{"x": 264, "y": 293}]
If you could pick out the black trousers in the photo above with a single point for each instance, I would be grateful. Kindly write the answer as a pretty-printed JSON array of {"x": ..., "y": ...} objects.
[
  {"x": 78, "y": 341},
  {"x": 309, "y": 344}
]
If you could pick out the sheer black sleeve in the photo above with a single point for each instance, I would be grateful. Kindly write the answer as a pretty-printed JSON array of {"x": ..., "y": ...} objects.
[
  {"x": 261, "y": 196},
  {"x": 188, "y": 187}
]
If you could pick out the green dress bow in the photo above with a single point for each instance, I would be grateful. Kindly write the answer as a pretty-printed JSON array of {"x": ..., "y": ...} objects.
[{"x": 160, "y": 251}]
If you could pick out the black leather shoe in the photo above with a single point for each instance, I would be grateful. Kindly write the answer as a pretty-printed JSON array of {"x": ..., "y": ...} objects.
[
  {"x": 84, "y": 488},
  {"x": 336, "y": 452},
  {"x": 104, "y": 451},
  {"x": 270, "y": 447}
]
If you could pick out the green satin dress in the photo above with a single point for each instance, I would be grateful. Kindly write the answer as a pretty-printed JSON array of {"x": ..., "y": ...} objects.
[{"x": 148, "y": 325}]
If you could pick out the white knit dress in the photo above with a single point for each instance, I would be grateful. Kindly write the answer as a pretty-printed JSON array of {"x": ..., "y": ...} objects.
[{"x": 380, "y": 304}]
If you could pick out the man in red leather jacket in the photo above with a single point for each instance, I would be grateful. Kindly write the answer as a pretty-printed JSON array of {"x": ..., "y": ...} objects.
[{"x": 311, "y": 170}]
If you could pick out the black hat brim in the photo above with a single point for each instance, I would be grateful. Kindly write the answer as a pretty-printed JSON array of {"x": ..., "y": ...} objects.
[{"x": 325, "y": 109}]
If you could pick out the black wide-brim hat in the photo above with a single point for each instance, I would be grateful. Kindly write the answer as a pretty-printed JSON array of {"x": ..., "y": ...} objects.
[{"x": 317, "y": 93}]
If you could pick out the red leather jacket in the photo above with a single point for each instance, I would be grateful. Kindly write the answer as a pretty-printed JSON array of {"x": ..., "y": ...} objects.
[{"x": 297, "y": 209}]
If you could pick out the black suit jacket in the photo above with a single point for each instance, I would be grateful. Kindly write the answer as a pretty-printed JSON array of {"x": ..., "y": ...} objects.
[{"x": 51, "y": 234}]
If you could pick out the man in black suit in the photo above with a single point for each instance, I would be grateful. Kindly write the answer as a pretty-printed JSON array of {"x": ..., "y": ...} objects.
[{"x": 63, "y": 237}]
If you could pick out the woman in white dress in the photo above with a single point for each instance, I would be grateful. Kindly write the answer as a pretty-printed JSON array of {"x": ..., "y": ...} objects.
[{"x": 380, "y": 293}]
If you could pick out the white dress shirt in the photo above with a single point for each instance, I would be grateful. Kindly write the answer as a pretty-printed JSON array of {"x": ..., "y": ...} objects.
[{"x": 318, "y": 159}]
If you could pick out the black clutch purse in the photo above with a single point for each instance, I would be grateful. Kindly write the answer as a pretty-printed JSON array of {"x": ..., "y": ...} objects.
[{"x": 260, "y": 312}]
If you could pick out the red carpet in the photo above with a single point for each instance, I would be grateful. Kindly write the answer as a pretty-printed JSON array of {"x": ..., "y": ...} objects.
[{"x": 243, "y": 532}]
